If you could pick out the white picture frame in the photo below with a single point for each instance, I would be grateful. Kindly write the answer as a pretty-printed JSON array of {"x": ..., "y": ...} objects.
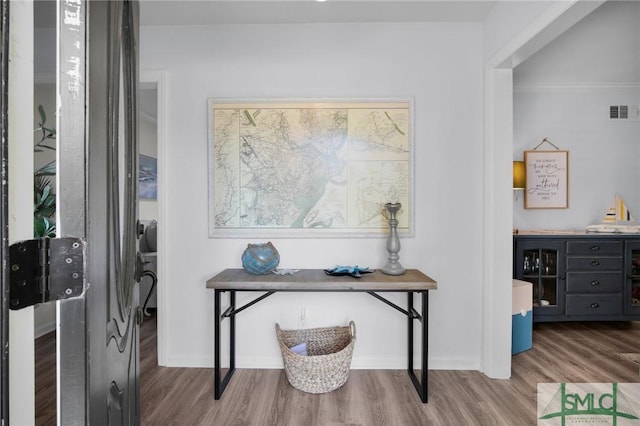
[
  {"x": 547, "y": 177},
  {"x": 309, "y": 167}
]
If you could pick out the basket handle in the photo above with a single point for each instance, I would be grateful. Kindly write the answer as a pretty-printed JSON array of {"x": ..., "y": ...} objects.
[{"x": 352, "y": 328}]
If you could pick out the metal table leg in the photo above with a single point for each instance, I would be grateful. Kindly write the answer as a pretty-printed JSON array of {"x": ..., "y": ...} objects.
[
  {"x": 220, "y": 383},
  {"x": 425, "y": 345},
  {"x": 422, "y": 384}
]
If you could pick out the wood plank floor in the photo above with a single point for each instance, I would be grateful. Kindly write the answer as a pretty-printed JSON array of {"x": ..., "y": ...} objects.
[{"x": 563, "y": 352}]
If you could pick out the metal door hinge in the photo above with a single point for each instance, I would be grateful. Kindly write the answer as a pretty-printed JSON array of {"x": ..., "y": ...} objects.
[{"x": 45, "y": 270}]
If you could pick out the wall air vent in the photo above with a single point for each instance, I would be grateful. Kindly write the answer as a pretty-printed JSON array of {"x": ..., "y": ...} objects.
[
  {"x": 614, "y": 112},
  {"x": 624, "y": 112}
]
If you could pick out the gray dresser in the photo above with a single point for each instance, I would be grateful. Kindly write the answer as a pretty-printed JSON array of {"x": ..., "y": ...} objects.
[{"x": 580, "y": 276}]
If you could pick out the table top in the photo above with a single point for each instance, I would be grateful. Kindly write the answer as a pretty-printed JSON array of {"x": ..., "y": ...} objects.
[{"x": 317, "y": 280}]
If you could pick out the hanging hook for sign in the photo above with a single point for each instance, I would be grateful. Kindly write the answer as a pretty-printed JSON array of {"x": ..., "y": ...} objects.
[{"x": 545, "y": 140}]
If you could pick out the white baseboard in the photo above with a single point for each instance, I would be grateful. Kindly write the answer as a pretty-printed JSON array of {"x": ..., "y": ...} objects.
[
  {"x": 358, "y": 363},
  {"x": 189, "y": 362},
  {"x": 454, "y": 364}
]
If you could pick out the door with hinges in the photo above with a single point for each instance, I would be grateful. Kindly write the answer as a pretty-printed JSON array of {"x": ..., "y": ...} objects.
[
  {"x": 98, "y": 333},
  {"x": 93, "y": 269},
  {"x": 97, "y": 86}
]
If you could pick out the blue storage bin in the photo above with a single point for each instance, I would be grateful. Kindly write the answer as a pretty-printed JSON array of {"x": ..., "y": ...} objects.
[{"x": 521, "y": 317}]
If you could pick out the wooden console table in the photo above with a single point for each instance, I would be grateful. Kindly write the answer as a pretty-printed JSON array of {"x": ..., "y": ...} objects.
[{"x": 233, "y": 280}]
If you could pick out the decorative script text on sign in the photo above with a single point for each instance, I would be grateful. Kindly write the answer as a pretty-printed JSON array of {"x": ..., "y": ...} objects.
[{"x": 547, "y": 179}]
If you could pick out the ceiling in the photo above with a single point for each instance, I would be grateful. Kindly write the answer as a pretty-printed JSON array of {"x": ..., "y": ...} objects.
[{"x": 216, "y": 12}]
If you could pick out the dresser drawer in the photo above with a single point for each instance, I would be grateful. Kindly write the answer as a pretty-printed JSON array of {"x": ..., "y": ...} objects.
[
  {"x": 594, "y": 304},
  {"x": 594, "y": 263},
  {"x": 594, "y": 282},
  {"x": 595, "y": 247}
]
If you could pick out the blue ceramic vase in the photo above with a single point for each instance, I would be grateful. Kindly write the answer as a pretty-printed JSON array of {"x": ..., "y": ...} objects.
[{"x": 260, "y": 259}]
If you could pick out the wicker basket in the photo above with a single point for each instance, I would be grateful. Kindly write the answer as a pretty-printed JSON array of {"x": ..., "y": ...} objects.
[{"x": 326, "y": 367}]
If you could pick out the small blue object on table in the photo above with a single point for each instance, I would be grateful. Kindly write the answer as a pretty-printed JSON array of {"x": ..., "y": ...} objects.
[{"x": 354, "y": 271}]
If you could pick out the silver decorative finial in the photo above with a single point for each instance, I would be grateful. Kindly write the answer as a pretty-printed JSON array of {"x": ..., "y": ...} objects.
[{"x": 393, "y": 267}]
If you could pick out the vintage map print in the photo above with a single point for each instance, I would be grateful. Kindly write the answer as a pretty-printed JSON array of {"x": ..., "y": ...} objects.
[{"x": 308, "y": 168}]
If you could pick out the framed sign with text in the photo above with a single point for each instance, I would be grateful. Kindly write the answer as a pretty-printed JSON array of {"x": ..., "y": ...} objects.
[{"x": 547, "y": 179}]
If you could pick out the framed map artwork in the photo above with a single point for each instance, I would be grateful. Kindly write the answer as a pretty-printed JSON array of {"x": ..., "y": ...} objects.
[{"x": 309, "y": 168}]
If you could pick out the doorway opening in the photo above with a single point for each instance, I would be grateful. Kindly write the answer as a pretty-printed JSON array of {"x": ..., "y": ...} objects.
[
  {"x": 152, "y": 210},
  {"x": 148, "y": 212}
]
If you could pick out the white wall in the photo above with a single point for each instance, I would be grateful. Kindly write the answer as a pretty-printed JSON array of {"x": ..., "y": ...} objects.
[
  {"x": 506, "y": 21},
  {"x": 602, "y": 48},
  {"x": 440, "y": 65},
  {"x": 563, "y": 92}
]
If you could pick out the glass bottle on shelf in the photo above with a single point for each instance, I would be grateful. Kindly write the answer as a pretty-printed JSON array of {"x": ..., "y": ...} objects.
[
  {"x": 552, "y": 264},
  {"x": 539, "y": 265}
]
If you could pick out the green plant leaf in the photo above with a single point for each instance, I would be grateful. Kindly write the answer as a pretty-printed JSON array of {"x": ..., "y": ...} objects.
[
  {"x": 45, "y": 192},
  {"x": 50, "y": 201},
  {"x": 43, "y": 228},
  {"x": 43, "y": 116},
  {"x": 39, "y": 226},
  {"x": 42, "y": 145},
  {"x": 40, "y": 182},
  {"x": 44, "y": 199},
  {"x": 48, "y": 169},
  {"x": 44, "y": 212}
]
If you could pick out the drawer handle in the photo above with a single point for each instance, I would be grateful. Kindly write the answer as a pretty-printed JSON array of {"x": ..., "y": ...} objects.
[
  {"x": 595, "y": 262},
  {"x": 595, "y": 248},
  {"x": 595, "y": 282},
  {"x": 595, "y": 305}
]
